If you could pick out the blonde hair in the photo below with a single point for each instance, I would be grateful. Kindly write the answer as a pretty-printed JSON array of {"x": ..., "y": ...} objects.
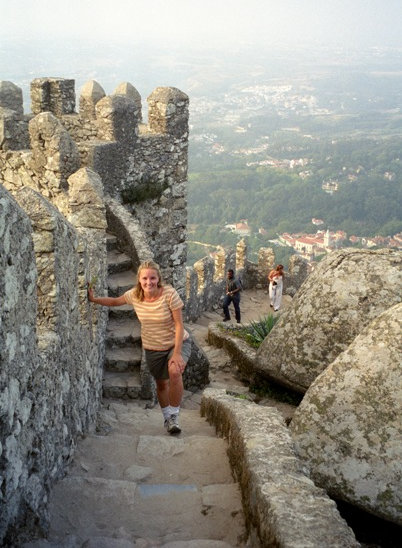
[{"x": 138, "y": 291}]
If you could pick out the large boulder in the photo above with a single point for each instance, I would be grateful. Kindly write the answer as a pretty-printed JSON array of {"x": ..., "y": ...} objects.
[
  {"x": 343, "y": 295},
  {"x": 348, "y": 426}
]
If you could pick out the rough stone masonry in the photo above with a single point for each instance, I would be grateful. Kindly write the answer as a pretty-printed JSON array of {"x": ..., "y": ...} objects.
[{"x": 58, "y": 171}]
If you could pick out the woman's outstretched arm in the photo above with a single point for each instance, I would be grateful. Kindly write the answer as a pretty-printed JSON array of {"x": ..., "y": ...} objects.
[{"x": 105, "y": 301}]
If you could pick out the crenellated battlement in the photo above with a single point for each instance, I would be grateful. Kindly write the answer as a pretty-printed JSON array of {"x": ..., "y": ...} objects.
[{"x": 145, "y": 166}]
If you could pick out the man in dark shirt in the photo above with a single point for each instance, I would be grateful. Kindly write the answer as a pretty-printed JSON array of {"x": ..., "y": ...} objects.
[{"x": 233, "y": 288}]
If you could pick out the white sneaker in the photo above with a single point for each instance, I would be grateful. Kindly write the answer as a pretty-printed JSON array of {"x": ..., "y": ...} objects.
[{"x": 173, "y": 425}]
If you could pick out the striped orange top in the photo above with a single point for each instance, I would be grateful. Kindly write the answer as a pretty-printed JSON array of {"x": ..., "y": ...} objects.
[{"x": 157, "y": 325}]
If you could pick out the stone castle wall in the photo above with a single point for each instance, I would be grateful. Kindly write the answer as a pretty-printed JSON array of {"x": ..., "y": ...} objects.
[
  {"x": 144, "y": 166},
  {"x": 63, "y": 177},
  {"x": 51, "y": 351}
]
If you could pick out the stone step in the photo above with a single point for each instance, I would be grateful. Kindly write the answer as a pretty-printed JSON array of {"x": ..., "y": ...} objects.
[
  {"x": 162, "y": 512},
  {"x": 111, "y": 241},
  {"x": 122, "y": 332},
  {"x": 122, "y": 312},
  {"x": 118, "y": 262},
  {"x": 123, "y": 385},
  {"x": 123, "y": 359},
  {"x": 136, "y": 484},
  {"x": 120, "y": 282}
]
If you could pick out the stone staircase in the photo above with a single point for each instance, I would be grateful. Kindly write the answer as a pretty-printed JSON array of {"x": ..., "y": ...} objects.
[
  {"x": 123, "y": 341},
  {"x": 131, "y": 485}
]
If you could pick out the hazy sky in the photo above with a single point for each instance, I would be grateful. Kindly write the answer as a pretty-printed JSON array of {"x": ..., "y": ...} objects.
[{"x": 209, "y": 22}]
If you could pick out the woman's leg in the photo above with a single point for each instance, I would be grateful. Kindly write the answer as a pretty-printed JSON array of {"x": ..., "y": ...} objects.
[
  {"x": 175, "y": 386},
  {"x": 162, "y": 392},
  {"x": 271, "y": 296}
]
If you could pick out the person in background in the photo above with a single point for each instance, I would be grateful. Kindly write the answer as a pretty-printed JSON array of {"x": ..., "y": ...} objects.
[
  {"x": 166, "y": 343},
  {"x": 275, "y": 278},
  {"x": 233, "y": 288}
]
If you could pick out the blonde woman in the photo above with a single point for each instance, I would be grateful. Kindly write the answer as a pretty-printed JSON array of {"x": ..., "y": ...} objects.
[{"x": 166, "y": 343}]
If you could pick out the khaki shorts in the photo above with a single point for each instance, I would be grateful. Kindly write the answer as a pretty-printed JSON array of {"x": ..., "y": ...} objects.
[{"x": 157, "y": 360}]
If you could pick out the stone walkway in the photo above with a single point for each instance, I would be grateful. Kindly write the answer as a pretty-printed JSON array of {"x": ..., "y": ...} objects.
[{"x": 132, "y": 484}]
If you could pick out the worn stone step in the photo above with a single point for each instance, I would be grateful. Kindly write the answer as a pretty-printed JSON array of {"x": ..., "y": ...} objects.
[
  {"x": 123, "y": 331},
  {"x": 131, "y": 419},
  {"x": 196, "y": 459},
  {"x": 124, "y": 385},
  {"x": 138, "y": 482},
  {"x": 118, "y": 261},
  {"x": 163, "y": 512},
  {"x": 122, "y": 312},
  {"x": 123, "y": 359},
  {"x": 120, "y": 282},
  {"x": 111, "y": 241}
]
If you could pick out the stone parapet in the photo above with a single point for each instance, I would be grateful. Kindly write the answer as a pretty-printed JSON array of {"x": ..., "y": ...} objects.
[
  {"x": 54, "y": 95},
  {"x": 168, "y": 111},
  {"x": 242, "y": 356},
  {"x": 13, "y": 130},
  {"x": 281, "y": 504},
  {"x": 51, "y": 352},
  {"x": 11, "y": 97}
]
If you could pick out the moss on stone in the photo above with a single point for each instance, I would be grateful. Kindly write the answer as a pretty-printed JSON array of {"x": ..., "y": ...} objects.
[{"x": 146, "y": 190}]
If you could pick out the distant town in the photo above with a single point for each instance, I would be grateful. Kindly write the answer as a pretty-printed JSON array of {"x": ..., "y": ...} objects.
[{"x": 311, "y": 246}]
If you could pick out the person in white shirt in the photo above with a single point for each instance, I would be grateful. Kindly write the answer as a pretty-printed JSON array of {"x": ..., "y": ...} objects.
[{"x": 275, "y": 278}]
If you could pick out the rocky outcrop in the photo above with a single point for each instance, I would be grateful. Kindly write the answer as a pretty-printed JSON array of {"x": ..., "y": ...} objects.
[
  {"x": 337, "y": 301},
  {"x": 348, "y": 425}
]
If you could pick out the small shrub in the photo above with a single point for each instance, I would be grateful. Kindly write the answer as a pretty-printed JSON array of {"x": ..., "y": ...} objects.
[{"x": 256, "y": 331}]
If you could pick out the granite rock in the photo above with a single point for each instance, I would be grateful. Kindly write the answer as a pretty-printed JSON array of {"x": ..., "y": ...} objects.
[
  {"x": 348, "y": 427},
  {"x": 337, "y": 301}
]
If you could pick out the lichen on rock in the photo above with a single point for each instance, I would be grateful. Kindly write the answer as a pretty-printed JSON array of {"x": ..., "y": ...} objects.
[
  {"x": 348, "y": 427},
  {"x": 346, "y": 291}
]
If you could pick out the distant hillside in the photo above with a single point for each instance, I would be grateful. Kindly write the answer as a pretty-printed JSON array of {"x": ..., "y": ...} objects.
[{"x": 281, "y": 201}]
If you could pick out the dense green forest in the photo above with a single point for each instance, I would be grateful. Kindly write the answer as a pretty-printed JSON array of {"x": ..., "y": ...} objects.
[
  {"x": 283, "y": 202},
  {"x": 367, "y": 203}
]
